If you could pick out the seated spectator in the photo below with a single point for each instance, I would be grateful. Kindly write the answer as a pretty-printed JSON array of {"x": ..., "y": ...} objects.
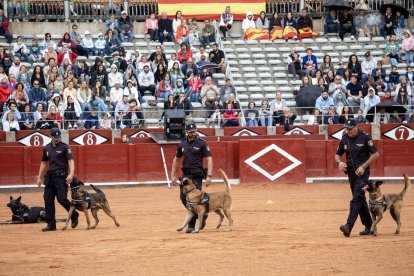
[
  {"x": 151, "y": 27},
  {"x": 194, "y": 30},
  {"x": 248, "y": 22},
  {"x": 158, "y": 51},
  {"x": 251, "y": 115},
  {"x": 165, "y": 88},
  {"x": 378, "y": 72},
  {"x": 226, "y": 89},
  {"x": 98, "y": 98},
  {"x": 121, "y": 110},
  {"x": 407, "y": 46},
  {"x": 92, "y": 121},
  {"x": 134, "y": 117},
  {"x": 323, "y": 102},
  {"x": 87, "y": 43},
  {"x": 399, "y": 25},
  {"x": 336, "y": 87},
  {"x": 234, "y": 103},
  {"x": 175, "y": 73},
  {"x": 230, "y": 116},
  {"x": 294, "y": 64},
  {"x": 112, "y": 24},
  {"x": 287, "y": 119},
  {"x": 44, "y": 122},
  {"x": 47, "y": 42},
  {"x": 140, "y": 65},
  {"x": 306, "y": 81},
  {"x": 72, "y": 112},
  {"x": 395, "y": 118},
  {"x": 369, "y": 84},
  {"x": 49, "y": 56},
  {"x": 309, "y": 63},
  {"x": 289, "y": 27},
  {"x": 275, "y": 27},
  {"x": 346, "y": 21},
  {"x": 215, "y": 111},
  {"x": 66, "y": 53},
  {"x": 389, "y": 21},
  {"x": 115, "y": 77},
  {"x": 116, "y": 94},
  {"x": 55, "y": 116},
  {"x": 355, "y": 67},
  {"x": 405, "y": 85},
  {"x": 173, "y": 60},
  {"x": 226, "y": 20},
  {"x": 331, "y": 23},
  {"x": 277, "y": 106},
  {"x": 4, "y": 27},
  {"x": 20, "y": 49},
  {"x": 304, "y": 24},
  {"x": 265, "y": 114},
  {"x": 70, "y": 90},
  {"x": 315, "y": 118},
  {"x": 178, "y": 89},
  {"x": 57, "y": 102},
  {"x": 387, "y": 97},
  {"x": 105, "y": 122},
  {"x": 209, "y": 92},
  {"x": 392, "y": 49},
  {"x": 146, "y": 81},
  {"x": 411, "y": 118},
  {"x": 393, "y": 78},
  {"x": 262, "y": 23},
  {"x": 328, "y": 79},
  {"x": 381, "y": 117},
  {"x": 112, "y": 43},
  {"x": 345, "y": 114},
  {"x": 100, "y": 74},
  {"x": 35, "y": 54},
  {"x": 100, "y": 45},
  {"x": 37, "y": 115},
  {"x": 194, "y": 86},
  {"x": 36, "y": 95},
  {"x": 84, "y": 96},
  {"x": 331, "y": 118},
  {"x": 132, "y": 92},
  {"x": 208, "y": 34},
  {"x": 359, "y": 118},
  {"x": 165, "y": 29},
  {"x": 125, "y": 27},
  {"x": 27, "y": 119},
  {"x": 77, "y": 41},
  {"x": 217, "y": 56},
  {"x": 403, "y": 100},
  {"x": 183, "y": 33},
  {"x": 354, "y": 93},
  {"x": 341, "y": 69},
  {"x": 15, "y": 67},
  {"x": 340, "y": 101},
  {"x": 12, "y": 109},
  {"x": 410, "y": 76},
  {"x": 316, "y": 80},
  {"x": 367, "y": 66},
  {"x": 326, "y": 65},
  {"x": 370, "y": 101},
  {"x": 169, "y": 103},
  {"x": 177, "y": 22},
  {"x": 10, "y": 124},
  {"x": 189, "y": 67},
  {"x": 184, "y": 103},
  {"x": 184, "y": 53},
  {"x": 361, "y": 25}
]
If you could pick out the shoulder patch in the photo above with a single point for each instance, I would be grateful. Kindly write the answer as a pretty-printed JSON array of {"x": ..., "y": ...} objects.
[{"x": 370, "y": 143}]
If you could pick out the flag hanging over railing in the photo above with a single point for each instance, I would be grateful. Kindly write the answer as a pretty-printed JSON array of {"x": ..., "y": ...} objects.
[{"x": 211, "y": 9}]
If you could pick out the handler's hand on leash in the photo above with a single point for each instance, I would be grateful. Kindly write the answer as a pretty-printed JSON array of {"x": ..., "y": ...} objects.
[
  {"x": 39, "y": 182},
  {"x": 208, "y": 181},
  {"x": 69, "y": 179},
  {"x": 342, "y": 166},
  {"x": 174, "y": 180},
  {"x": 360, "y": 171}
]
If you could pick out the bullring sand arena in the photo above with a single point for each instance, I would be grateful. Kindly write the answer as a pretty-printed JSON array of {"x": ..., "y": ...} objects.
[{"x": 279, "y": 229}]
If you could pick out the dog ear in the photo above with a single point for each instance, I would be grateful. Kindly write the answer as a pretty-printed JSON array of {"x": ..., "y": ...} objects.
[
  {"x": 19, "y": 198},
  {"x": 11, "y": 198},
  {"x": 378, "y": 183}
]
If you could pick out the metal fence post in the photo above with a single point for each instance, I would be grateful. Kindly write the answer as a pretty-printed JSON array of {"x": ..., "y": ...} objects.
[
  {"x": 5, "y": 8},
  {"x": 301, "y": 5},
  {"x": 66, "y": 8},
  {"x": 126, "y": 6}
]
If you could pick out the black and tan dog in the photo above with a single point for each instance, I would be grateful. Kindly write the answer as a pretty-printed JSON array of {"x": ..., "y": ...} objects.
[
  {"x": 217, "y": 201},
  {"x": 82, "y": 201},
  {"x": 379, "y": 203},
  {"x": 21, "y": 213}
]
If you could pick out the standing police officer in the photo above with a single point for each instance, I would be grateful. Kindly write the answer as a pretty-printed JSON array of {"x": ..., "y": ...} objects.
[
  {"x": 194, "y": 149},
  {"x": 57, "y": 178},
  {"x": 360, "y": 153}
]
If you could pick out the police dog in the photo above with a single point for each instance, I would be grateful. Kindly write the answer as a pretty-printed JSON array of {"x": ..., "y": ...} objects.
[
  {"x": 218, "y": 201},
  {"x": 379, "y": 203},
  {"x": 21, "y": 213},
  {"x": 82, "y": 201}
]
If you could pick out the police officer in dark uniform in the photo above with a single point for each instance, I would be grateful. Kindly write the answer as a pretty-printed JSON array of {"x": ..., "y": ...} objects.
[
  {"x": 194, "y": 150},
  {"x": 360, "y": 153},
  {"x": 56, "y": 179}
]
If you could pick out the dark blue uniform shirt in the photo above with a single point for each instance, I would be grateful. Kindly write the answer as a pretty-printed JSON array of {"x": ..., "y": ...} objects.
[
  {"x": 58, "y": 156},
  {"x": 193, "y": 153}
]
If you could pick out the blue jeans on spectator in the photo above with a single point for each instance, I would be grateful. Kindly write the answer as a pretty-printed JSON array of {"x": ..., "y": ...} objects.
[
  {"x": 185, "y": 39},
  {"x": 331, "y": 28},
  {"x": 110, "y": 50},
  {"x": 364, "y": 78},
  {"x": 231, "y": 123},
  {"x": 252, "y": 123},
  {"x": 129, "y": 37},
  {"x": 409, "y": 57},
  {"x": 82, "y": 106},
  {"x": 205, "y": 40},
  {"x": 23, "y": 56},
  {"x": 89, "y": 51},
  {"x": 101, "y": 107},
  {"x": 168, "y": 37},
  {"x": 9, "y": 37},
  {"x": 164, "y": 95},
  {"x": 266, "y": 120},
  {"x": 100, "y": 52},
  {"x": 195, "y": 97},
  {"x": 153, "y": 34}
]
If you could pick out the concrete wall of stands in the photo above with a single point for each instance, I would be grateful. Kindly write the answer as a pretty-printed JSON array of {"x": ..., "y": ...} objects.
[{"x": 245, "y": 153}]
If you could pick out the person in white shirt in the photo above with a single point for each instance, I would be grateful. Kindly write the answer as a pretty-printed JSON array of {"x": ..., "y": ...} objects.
[
  {"x": 15, "y": 68},
  {"x": 146, "y": 81},
  {"x": 367, "y": 66},
  {"x": 10, "y": 124},
  {"x": 88, "y": 43},
  {"x": 121, "y": 110},
  {"x": 226, "y": 20},
  {"x": 116, "y": 93},
  {"x": 114, "y": 76},
  {"x": 197, "y": 56},
  {"x": 370, "y": 100},
  {"x": 100, "y": 45},
  {"x": 248, "y": 22},
  {"x": 132, "y": 92},
  {"x": 20, "y": 50},
  {"x": 277, "y": 106}
]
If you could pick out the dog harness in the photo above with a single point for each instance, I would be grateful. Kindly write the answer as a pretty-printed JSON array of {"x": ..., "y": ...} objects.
[
  {"x": 86, "y": 198},
  {"x": 378, "y": 202},
  {"x": 203, "y": 201}
]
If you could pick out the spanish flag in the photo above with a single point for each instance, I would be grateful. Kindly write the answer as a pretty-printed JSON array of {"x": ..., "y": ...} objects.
[{"x": 211, "y": 9}]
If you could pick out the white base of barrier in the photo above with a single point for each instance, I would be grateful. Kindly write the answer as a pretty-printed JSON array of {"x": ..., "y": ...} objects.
[{"x": 345, "y": 179}]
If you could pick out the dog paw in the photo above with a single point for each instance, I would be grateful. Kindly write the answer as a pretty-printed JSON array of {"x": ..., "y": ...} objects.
[
  {"x": 397, "y": 232},
  {"x": 180, "y": 229},
  {"x": 64, "y": 228},
  {"x": 117, "y": 224},
  {"x": 93, "y": 227},
  {"x": 195, "y": 232}
]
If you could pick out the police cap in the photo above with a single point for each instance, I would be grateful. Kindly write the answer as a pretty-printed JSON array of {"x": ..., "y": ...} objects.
[
  {"x": 350, "y": 123},
  {"x": 55, "y": 133},
  {"x": 190, "y": 126}
]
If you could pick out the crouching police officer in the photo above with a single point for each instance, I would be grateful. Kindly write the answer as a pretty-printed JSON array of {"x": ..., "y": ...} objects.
[
  {"x": 194, "y": 150},
  {"x": 360, "y": 153},
  {"x": 56, "y": 179}
]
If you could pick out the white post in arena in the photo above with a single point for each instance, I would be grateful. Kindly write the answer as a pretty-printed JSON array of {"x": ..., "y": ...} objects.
[
  {"x": 165, "y": 168},
  {"x": 67, "y": 10},
  {"x": 301, "y": 4}
]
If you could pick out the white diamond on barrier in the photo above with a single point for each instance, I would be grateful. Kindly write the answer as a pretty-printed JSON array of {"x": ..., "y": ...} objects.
[
  {"x": 250, "y": 162},
  {"x": 89, "y": 138}
]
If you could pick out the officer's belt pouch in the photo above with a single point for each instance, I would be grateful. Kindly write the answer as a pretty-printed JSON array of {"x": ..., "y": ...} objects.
[{"x": 196, "y": 172}]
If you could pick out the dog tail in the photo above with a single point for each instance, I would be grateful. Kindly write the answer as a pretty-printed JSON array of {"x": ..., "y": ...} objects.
[
  {"x": 96, "y": 189},
  {"x": 226, "y": 180},
  {"x": 407, "y": 183}
]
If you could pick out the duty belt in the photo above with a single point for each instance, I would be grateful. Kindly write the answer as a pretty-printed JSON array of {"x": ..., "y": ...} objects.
[{"x": 60, "y": 172}]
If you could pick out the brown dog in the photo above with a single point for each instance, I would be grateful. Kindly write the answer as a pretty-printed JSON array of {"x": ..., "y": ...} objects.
[
  {"x": 218, "y": 201},
  {"x": 379, "y": 203},
  {"x": 82, "y": 201}
]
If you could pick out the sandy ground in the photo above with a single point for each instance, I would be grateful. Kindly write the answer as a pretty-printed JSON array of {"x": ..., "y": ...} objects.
[{"x": 297, "y": 234}]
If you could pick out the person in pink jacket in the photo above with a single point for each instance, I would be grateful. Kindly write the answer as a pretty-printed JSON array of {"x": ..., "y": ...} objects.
[
  {"x": 408, "y": 46},
  {"x": 151, "y": 27}
]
